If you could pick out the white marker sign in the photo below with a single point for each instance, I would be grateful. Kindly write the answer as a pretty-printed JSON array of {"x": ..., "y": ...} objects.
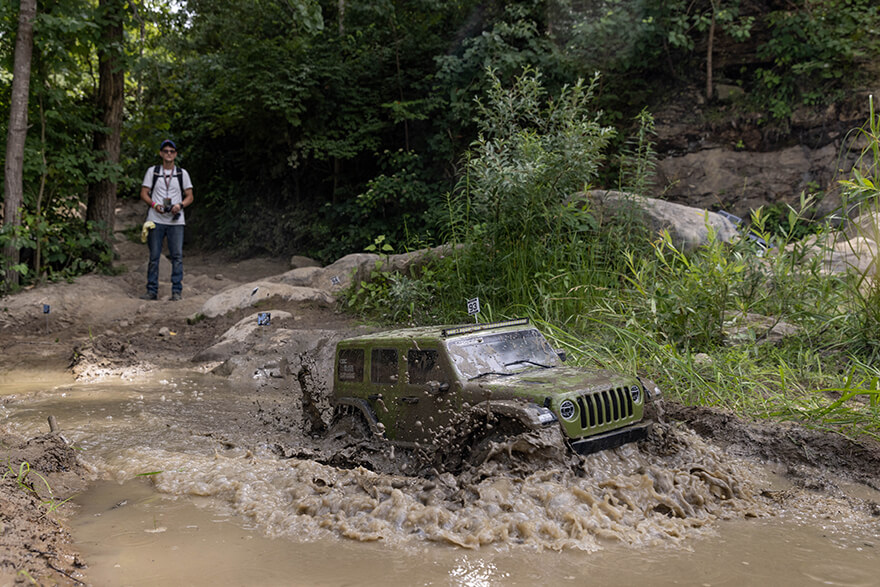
[{"x": 473, "y": 306}]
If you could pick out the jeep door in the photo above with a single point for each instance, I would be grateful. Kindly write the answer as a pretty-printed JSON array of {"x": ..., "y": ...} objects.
[{"x": 428, "y": 400}]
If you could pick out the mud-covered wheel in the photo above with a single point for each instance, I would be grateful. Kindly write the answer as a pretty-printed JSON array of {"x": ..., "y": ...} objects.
[
  {"x": 349, "y": 422},
  {"x": 487, "y": 441}
]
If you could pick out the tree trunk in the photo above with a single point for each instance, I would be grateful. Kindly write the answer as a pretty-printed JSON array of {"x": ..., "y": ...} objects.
[
  {"x": 709, "y": 50},
  {"x": 341, "y": 5},
  {"x": 13, "y": 185},
  {"x": 107, "y": 141}
]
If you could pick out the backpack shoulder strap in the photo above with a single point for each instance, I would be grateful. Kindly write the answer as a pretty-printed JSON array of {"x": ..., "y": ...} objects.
[
  {"x": 157, "y": 171},
  {"x": 180, "y": 181}
]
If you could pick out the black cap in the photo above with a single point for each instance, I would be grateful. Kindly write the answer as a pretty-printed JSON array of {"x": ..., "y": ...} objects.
[{"x": 167, "y": 142}]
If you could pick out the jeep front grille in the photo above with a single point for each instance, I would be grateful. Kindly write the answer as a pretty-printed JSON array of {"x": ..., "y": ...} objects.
[{"x": 604, "y": 407}]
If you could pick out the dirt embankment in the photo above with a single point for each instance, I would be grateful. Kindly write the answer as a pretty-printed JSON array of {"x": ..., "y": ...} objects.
[
  {"x": 98, "y": 326},
  {"x": 39, "y": 475}
]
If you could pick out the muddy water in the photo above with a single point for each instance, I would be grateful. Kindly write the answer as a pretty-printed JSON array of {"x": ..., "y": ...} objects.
[{"x": 193, "y": 490}]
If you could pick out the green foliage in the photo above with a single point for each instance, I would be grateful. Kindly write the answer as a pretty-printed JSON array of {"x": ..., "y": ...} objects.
[
  {"x": 392, "y": 297},
  {"x": 814, "y": 52},
  {"x": 316, "y": 121},
  {"x": 862, "y": 193},
  {"x": 66, "y": 249},
  {"x": 638, "y": 158},
  {"x": 681, "y": 19},
  {"x": 59, "y": 163},
  {"x": 528, "y": 240},
  {"x": 531, "y": 154},
  {"x": 690, "y": 299},
  {"x": 781, "y": 219}
]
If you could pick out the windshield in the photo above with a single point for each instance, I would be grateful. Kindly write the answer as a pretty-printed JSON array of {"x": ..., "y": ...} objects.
[{"x": 501, "y": 353}]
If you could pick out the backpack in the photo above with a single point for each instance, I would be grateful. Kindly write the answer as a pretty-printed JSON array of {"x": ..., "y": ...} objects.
[{"x": 157, "y": 173}]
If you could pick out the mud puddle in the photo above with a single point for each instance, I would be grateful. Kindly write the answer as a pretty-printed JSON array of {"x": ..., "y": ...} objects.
[
  {"x": 197, "y": 464},
  {"x": 133, "y": 535}
]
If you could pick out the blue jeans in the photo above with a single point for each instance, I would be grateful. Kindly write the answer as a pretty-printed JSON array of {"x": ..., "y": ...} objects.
[{"x": 174, "y": 234}]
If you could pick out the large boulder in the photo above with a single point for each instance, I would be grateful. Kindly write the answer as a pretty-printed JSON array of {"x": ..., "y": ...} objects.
[
  {"x": 688, "y": 227},
  {"x": 857, "y": 254},
  {"x": 245, "y": 296},
  {"x": 358, "y": 267},
  {"x": 240, "y": 338},
  {"x": 741, "y": 181}
]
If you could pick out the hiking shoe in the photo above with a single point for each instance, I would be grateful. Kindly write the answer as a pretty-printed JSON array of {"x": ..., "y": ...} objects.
[
  {"x": 148, "y": 296},
  {"x": 175, "y": 297}
]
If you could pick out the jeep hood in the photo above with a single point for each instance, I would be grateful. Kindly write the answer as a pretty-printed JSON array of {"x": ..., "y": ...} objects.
[{"x": 538, "y": 383}]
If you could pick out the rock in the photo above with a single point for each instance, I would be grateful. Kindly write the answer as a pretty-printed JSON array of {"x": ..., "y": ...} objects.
[
  {"x": 857, "y": 254},
  {"x": 244, "y": 296},
  {"x": 238, "y": 338},
  {"x": 742, "y": 181},
  {"x": 725, "y": 92},
  {"x": 358, "y": 267},
  {"x": 301, "y": 276},
  {"x": 687, "y": 226},
  {"x": 866, "y": 225},
  {"x": 298, "y": 261},
  {"x": 703, "y": 360},
  {"x": 164, "y": 331},
  {"x": 742, "y": 329}
]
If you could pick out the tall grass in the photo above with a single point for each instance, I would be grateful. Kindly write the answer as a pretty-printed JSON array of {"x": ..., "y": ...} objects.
[{"x": 862, "y": 193}]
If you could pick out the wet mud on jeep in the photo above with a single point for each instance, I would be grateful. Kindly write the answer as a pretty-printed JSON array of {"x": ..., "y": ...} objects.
[{"x": 453, "y": 391}]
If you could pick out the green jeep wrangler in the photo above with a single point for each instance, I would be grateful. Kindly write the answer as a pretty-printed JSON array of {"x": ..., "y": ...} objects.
[{"x": 418, "y": 385}]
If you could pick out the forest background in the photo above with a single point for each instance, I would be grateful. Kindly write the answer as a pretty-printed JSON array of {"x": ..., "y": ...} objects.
[
  {"x": 328, "y": 127},
  {"x": 313, "y": 127}
]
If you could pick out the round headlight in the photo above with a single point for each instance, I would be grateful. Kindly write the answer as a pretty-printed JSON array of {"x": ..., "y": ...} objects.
[
  {"x": 567, "y": 410},
  {"x": 636, "y": 392}
]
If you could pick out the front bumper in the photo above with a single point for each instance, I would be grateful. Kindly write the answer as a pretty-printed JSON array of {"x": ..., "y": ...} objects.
[{"x": 613, "y": 439}]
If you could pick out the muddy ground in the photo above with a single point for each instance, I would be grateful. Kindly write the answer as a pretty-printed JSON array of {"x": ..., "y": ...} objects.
[{"x": 98, "y": 325}]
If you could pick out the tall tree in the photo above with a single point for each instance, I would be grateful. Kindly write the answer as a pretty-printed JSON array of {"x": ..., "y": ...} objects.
[
  {"x": 13, "y": 185},
  {"x": 110, "y": 99}
]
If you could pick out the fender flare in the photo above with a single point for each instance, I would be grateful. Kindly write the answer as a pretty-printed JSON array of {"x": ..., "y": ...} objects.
[
  {"x": 523, "y": 413},
  {"x": 366, "y": 411}
]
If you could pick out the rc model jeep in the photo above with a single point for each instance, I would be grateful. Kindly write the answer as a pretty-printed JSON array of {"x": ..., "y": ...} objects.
[{"x": 416, "y": 385}]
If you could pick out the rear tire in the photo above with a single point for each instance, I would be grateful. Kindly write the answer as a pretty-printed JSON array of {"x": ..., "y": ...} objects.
[{"x": 349, "y": 421}]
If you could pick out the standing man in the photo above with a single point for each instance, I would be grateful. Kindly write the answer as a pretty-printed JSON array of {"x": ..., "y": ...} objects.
[{"x": 167, "y": 189}]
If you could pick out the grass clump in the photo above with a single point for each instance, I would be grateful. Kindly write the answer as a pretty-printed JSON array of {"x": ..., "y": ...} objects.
[{"x": 22, "y": 479}]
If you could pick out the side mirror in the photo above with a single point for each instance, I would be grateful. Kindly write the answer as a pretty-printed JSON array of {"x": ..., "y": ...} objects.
[{"x": 561, "y": 354}]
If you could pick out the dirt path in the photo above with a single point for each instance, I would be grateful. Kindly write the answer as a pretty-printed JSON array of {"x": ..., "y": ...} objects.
[{"x": 97, "y": 325}]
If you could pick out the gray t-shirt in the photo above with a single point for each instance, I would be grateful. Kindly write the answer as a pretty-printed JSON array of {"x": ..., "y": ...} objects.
[{"x": 167, "y": 186}]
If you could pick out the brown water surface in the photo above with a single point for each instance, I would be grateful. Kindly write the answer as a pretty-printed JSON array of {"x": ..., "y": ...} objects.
[
  {"x": 133, "y": 536},
  {"x": 190, "y": 489}
]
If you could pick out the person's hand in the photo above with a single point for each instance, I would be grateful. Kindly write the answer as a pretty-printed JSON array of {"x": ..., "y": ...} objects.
[{"x": 176, "y": 208}]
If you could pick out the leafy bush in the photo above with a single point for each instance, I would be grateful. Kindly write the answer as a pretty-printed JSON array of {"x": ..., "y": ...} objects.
[
  {"x": 527, "y": 238},
  {"x": 56, "y": 250},
  {"x": 392, "y": 297},
  {"x": 814, "y": 51}
]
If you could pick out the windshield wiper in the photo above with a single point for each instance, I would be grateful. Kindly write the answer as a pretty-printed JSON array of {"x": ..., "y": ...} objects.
[
  {"x": 529, "y": 362},
  {"x": 489, "y": 373}
]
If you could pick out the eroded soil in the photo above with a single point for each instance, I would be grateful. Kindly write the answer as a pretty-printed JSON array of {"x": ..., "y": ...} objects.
[{"x": 97, "y": 326}]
